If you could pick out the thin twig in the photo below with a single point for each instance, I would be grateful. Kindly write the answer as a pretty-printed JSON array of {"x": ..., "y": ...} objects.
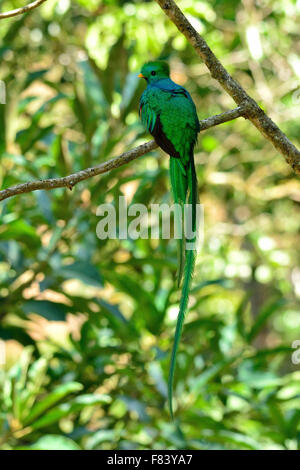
[
  {"x": 223, "y": 117},
  {"x": 255, "y": 114},
  {"x": 20, "y": 11},
  {"x": 71, "y": 180}
]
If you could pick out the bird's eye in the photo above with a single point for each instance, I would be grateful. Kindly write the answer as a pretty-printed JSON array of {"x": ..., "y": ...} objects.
[{"x": 153, "y": 72}]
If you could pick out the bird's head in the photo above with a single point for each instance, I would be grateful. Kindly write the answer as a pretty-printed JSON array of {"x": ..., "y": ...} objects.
[{"x": 154, "y": 71}]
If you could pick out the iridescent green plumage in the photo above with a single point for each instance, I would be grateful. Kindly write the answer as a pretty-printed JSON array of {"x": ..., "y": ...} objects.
[{"x": 168, "y": 112}]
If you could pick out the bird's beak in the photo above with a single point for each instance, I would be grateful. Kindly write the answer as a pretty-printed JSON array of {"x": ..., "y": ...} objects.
[{"x": 140, "y": 75}]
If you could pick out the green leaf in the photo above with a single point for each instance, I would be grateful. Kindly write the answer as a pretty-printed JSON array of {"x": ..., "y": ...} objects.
[
  {"x": 263, "y": 316},
  {"x": 199, "y": 382},
  {"x": 257, "y": 378},
  {"x": 104, "y": 435},
  {"x": 238, "y": 439},
  {"x": 52, "y": 442},
  {"x": 75, "y": 405},
  {"x": 53, "y": 311},
  {"x": 51, "y": 399},
  {"x": 86, "y": 272},
  {"x": 240, "y": 315},
  {"x": 218, "y": 282},
  {"x": 21, "y": 231}
]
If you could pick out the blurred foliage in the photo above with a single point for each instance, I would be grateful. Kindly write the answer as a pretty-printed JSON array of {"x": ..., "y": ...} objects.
[{"x": 87, "y": 325}]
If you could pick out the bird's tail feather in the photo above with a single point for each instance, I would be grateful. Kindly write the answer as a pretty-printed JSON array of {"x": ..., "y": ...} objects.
[
  {"x": 190, "y": 256},
  {"x": 179, "y": 185}
]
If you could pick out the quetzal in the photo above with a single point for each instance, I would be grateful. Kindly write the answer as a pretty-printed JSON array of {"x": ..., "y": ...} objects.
[{"x": 169, "y": 113}]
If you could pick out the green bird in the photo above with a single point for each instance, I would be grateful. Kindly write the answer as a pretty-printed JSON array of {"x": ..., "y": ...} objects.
[{"x": 169, "y": 113}]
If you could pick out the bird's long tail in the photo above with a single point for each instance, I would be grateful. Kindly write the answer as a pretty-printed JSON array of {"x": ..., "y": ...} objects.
[
  {"x": 179, "y": 183},
  {"x": 183, "y": 182}
]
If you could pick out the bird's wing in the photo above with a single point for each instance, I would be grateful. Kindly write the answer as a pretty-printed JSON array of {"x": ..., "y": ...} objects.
[
  {"x": 169, "y": 114},
  {"x": 148, "y": 110},
  {"x": 179, "y": 123}
]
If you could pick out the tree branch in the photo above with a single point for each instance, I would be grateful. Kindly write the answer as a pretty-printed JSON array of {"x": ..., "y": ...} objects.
[
  {"x": 217, "y": 119},
  {"x": 255, "y": 114},
  {"x": 20, "y": 11},
  {"x": 71, "y": 180}
]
